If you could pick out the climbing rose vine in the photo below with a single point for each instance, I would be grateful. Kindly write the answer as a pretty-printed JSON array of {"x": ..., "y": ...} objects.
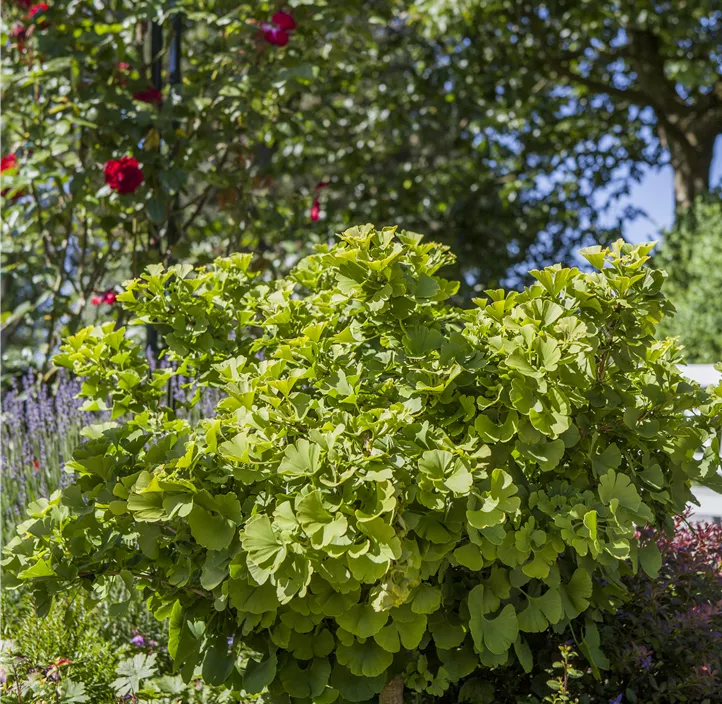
[{"x": 391, "y": 485}]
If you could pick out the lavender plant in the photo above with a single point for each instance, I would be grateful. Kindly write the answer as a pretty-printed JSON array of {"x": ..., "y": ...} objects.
[{"x": 41, "y": 424}]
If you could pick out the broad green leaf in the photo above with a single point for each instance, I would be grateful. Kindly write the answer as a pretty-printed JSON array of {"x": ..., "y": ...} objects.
[
  {"x": 650, "y": 558},
  {"x": 40, "y": 569},
  {"x": 421, "y": 340},
  {"x": 259, "y": 675},
  {"x": 426, "y": 599},
  {"x": 301, "y": 459},
  {"x": 523, "y": 652},
  {"x": 307, "y": 682},
  {"x": 362, "y": 620},
  {"x": 495, "y": 634},
  {"x": 317, "y": 522},
  {"x": 575, "y": 595},
  {"x": 366, "y": 659},
  {"x": 209, "y": 530},
  {"x": 354, "y": 688},
  {"x": 610, "y": 458},
  {"x": 262, "y": 544},
  {"x": 217, "y": 662},
  {"x": 617, "y": 489},
  {"x": 469, "y": 556}
]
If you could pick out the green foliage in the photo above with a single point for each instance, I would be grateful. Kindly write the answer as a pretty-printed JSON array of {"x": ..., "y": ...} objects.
[
  {"x": 390, "y": 484},
  {"x": 83, "y": 654},
  {"x": 662, "y": 646},
  {"x": 692, "y": 256},
  {"x": 67, "y": 650}
]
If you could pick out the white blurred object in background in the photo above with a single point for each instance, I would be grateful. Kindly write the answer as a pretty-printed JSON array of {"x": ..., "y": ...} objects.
[{"x": 710, "y": 508}]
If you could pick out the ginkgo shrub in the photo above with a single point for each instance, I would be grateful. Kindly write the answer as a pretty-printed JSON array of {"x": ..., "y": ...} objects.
[{"x": 391, "y": 485}]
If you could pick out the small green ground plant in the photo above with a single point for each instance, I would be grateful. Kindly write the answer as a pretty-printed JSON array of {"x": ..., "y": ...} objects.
[
  {"x": 391, "y": 486},
  {"x": 82, "y": 653}
]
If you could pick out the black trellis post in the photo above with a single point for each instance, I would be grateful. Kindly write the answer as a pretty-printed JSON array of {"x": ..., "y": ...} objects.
[
  {"x": 156, "y": 48},
  {"x": 156, "y": 74},
  {"x": 175, "y": 78}
]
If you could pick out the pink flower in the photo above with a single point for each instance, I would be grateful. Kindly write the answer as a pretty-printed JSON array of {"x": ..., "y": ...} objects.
[
  {"x": 120, "y": 72},
  {"x": 149, "y": 95},
  {"x": 19, "y": 34},
  {"x": 123, "y": 175},
  {"x": 275, "y": 36},
  {"x": 284, "y": 21},
  {"x": 315, "y": 210},
  {"x": 96, "y": 300}
]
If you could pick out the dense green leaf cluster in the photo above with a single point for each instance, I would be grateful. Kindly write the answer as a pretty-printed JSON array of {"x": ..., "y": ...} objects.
[{"x": 390, "y": 484}]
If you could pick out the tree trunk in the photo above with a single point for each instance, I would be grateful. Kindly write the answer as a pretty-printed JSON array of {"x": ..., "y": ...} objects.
[
  {"x": 393, "y": 692},
  {"x": 687, "y": 131},
  {"x": 691, "y": 155}
]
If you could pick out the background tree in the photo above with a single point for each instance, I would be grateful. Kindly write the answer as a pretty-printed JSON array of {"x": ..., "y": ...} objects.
[
  {"x": 692, "y": 256},
  {"x": 589, "y": 83}
]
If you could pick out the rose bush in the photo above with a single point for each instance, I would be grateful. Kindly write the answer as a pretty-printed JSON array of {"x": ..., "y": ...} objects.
[{"x": 391, "y": 485}]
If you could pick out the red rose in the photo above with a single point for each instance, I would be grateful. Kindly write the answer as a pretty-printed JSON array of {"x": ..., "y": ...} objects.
[
  {"x": 149, "y": 95},
  {"x": 108, "y": 297},
  {"x": 9, "y": 163},
  {"x": 284, "y": 21},
  {"x": 37, "y": 9},
  {"x": 275, "y": 36},
  {"x": 123, "y": 175}
]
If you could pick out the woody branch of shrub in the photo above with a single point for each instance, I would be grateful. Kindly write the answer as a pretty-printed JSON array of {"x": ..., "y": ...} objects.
[{"x": 393, "y": 490}]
